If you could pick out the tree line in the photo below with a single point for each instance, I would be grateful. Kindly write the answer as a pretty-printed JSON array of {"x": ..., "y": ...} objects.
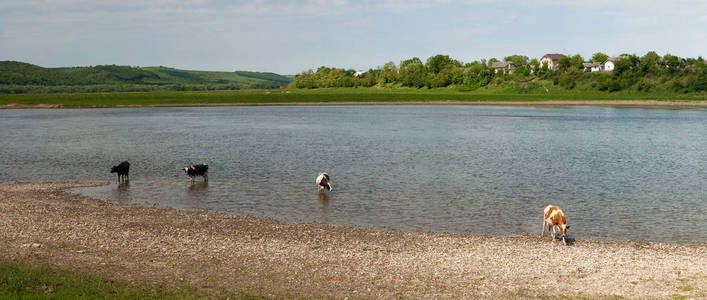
[{"x": 650, "y": 72}]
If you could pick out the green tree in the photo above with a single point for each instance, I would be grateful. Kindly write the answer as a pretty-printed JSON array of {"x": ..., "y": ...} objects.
[
  {"x": 451, "y": 74},
  {"x": 568, "y": 80},
  {"x": 305, "y": 80},
  {"x": 389, "y": 73},
  {"x": 436, "y": 63},
  {"x": 649, "y": 63},
  {"x": 564, "y": 63},
  {"x": 599, "y": 57},
  {"x": 672, "y": 63},
  {"x": 576, "y": 62},
  {"x": 517, "y": 60},
  {"x": 534, "y": 64},
  {"x": 413, "y": 73}
]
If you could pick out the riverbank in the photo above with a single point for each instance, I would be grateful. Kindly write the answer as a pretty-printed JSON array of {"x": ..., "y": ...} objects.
[
  {"x": 43, "y": 224},
  {"x": 558, "y": 103},
  {"x": 345, "y": 96}
]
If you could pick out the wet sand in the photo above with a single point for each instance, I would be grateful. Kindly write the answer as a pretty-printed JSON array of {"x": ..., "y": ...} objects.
[
  {"x": 550, "y": 103},
  {"x": 41, "y": 223}
]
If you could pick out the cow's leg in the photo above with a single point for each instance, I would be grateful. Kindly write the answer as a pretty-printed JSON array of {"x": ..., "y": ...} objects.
[
  {"x": 554, "y": 233},
  {"x": 543, "y": 234}
]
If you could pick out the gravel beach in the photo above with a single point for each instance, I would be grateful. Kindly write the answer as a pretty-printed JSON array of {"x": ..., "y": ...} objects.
[{"x": 41, "y": 223}]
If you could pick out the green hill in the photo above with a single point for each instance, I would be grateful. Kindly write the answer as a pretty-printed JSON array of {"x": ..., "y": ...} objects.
[
  {"x": 205, "y": 77},
  {"x": 19, "y": 77}
]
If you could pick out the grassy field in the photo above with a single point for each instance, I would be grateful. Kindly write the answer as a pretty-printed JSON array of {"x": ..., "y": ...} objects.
[
  {"x": 21, "y": 281},
  {"x": 334, "y": 95}
]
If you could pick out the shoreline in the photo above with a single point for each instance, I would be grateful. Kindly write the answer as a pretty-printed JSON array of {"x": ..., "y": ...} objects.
[
  {"x": 658, "y": 104},
  {"x": 81, "y": 184},
  {"x": 46, "y": 224}
]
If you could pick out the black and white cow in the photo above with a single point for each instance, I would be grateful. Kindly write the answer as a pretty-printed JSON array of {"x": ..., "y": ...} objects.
[
  {"x": 123, "y": 170},
  {"x": 324, "y": 181},
  {"x": 197, "y": 170}
]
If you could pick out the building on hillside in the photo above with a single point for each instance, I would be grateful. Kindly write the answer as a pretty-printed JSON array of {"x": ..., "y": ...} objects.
[
  {"x": 359, "y": 73},
  {"x": 610, "y": 63},
  {"x": 551, "y": 60},
  {"x": 503, "y": 66},
  {"x": 593, "y": 67},
  {"x": 682, "y": 61}
]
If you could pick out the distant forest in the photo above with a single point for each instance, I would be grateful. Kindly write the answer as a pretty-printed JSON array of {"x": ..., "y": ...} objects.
[
  {"x": 650, "y": 73},
  {"x": 20, "y": 77}
]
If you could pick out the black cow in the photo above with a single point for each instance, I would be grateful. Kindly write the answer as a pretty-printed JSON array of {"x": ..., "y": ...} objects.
[
  {"x": 123, "y": 170},
  {"x": 197, "y": 170}
]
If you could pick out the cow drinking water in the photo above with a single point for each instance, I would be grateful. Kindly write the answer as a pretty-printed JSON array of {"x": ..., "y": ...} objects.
[
  {"x": 555, "y": 217},
  {"x": 323, "y": 181},
  {"x": 123, "y": 170}
]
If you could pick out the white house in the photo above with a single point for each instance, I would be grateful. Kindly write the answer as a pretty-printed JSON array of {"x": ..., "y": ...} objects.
[
  {"x": 503, "y": 66},
  {"x": 359, "y": 73},
  {"x": 611, "y": 62},
  {"x": 593, "y": 67},
  {"x": 551, "y": 60}
]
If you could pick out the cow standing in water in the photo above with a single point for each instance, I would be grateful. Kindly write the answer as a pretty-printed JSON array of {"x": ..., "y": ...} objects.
[
  {"x": 323, "y": 181},
  {"x": 197, "y": 170},
  {"x": 555, "y": 217},
  {"x": 123, "y": 170}
]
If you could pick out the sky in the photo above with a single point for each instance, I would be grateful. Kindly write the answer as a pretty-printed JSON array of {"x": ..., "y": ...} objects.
[{"x": 289, "y": 37}]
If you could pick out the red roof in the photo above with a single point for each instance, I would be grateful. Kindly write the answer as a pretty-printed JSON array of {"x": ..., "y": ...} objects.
[{"x": 553, "y": 56}]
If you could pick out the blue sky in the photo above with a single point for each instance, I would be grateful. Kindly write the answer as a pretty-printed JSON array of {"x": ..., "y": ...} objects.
[{"x": 288, "y": 37}]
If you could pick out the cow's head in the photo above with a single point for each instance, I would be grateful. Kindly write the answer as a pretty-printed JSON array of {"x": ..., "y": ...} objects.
[
  {"x": 114, "y": 169},
  {"x": 563, "y": 229}
]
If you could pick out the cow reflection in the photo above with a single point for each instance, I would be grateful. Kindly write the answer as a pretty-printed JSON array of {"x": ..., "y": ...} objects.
[
  {"x": 198, "y": 186},
  {"x": 323, "y": 200},
  {"x": 122, "y": 193},
  {"x": 124, "y": 186}
]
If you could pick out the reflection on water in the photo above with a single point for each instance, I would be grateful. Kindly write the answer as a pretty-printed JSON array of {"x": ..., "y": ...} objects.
[
  {"x": 196, "y": 192},
  {"x": 198, "y": 187},
  {"x": 429, "y": 168},
  {"x": 123, "y": 186},
  {"x": 121, "y": 192},
  {"x": 323, "y": 200}
]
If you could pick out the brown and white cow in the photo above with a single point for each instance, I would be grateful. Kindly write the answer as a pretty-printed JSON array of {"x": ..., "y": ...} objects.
[{"x": 555, "y": 217}]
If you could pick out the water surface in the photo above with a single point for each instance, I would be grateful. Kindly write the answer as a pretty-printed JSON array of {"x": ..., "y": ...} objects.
[{"x": 619, "y": 173}]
